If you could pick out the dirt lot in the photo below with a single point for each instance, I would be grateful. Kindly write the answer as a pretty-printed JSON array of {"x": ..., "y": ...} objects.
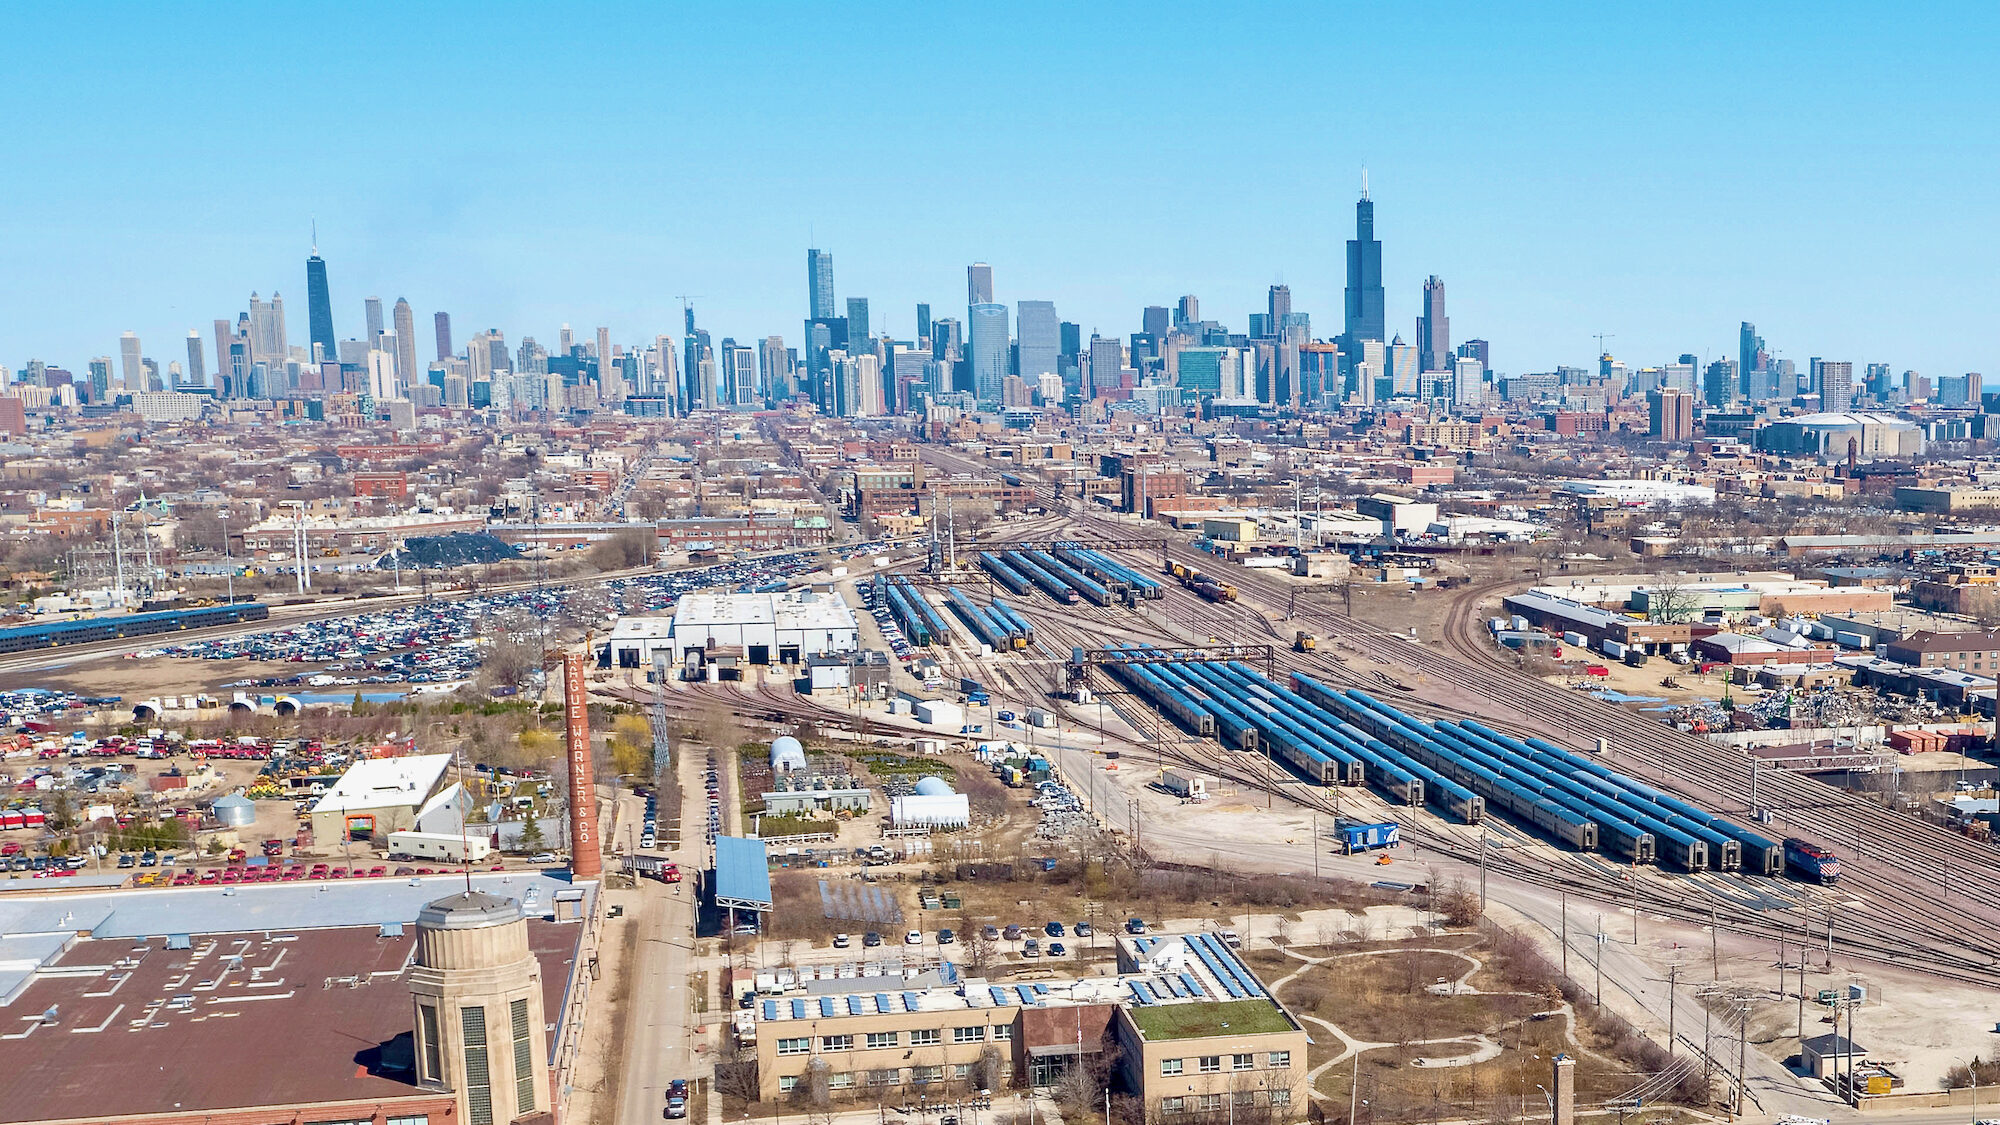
[{"x": 136, "y": 679}]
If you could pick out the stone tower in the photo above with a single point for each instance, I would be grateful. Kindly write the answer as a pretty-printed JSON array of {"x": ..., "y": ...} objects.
[{"x": 478, "y": 994}]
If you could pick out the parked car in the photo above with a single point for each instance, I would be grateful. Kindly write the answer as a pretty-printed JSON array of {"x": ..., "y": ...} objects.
[
  {"x": 1135, "y": 925},
  {"x": 914, "y": 937},
  {"x": 1056, "y": 949},
  {"x": 871, "y": 939},
  {"x": 1053, "y": 929},
  {"x": 840, "y": 941},
  {"x": 946, "y": 937},
  {"x": 1013, "y": 933},
  {"x": 1031, "y": 948}
]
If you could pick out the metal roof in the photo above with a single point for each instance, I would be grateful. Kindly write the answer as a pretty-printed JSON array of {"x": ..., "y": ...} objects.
[{"x": 742, "y": 873}]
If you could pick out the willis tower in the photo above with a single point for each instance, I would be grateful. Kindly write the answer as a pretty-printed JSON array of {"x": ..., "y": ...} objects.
[{"x": 1365, "y": 315}]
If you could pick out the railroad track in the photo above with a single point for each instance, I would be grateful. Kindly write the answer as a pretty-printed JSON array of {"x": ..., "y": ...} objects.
[{"x": 1894, "y": 917}]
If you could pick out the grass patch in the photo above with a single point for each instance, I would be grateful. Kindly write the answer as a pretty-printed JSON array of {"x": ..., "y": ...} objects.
[{"x": 1193, "y": 1021}]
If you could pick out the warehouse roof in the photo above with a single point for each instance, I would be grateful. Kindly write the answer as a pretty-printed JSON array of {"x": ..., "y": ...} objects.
[
  {"x": 189, "y": 1027},
  {"x": 381, "y": 783},
  {"x": 802, "y": 609}
]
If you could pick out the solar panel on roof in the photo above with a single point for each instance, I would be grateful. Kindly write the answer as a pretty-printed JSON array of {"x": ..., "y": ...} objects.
[
  {"x": 882, "y": 1003},
  {"x": 1171, "y": 985},
  {"x": 1026, "y": 994},
  {"x": 1040, "y": 989},
  {"x": 910, "y": 1002},
  {"x": 855, "y": 1006},
  {"x": 798, "y": 1009},
  {"x": 1000, "y": 997},
  {"x": 826, "y": 1006},
  {"x": 1222, "y": 977},
  {"x": 1193, "y": 984},
  {"x": 770, "y": 1009},
  {"x": 1138, "y": 992}
]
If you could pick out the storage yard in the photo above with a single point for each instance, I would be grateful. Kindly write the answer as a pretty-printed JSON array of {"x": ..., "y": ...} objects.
[{"x": 1368, "y": 724}]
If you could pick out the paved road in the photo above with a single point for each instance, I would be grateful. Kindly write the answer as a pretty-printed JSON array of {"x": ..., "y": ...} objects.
[{"x": 659, "y": 1045}]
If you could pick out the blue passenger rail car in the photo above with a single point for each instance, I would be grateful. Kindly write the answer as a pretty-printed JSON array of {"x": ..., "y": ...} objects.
[
  {"x": 90, "y": 630},
  {"x": 1005, "y": 574}
]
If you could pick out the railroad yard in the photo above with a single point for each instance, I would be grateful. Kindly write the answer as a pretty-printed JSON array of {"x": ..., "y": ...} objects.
[
  {"x": 1131, "y": 662},
  {"x": 1151, "y": 657}
]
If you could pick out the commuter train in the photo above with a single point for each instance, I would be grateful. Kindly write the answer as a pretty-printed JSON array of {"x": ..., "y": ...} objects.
[{"x": 89, "y": 630}]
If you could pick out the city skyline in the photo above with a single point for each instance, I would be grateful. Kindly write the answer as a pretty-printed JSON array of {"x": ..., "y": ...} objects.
[{"x": 1551, "y": 217}]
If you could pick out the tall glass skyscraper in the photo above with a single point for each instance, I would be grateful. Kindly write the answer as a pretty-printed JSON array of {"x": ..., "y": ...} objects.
[
  {"x": 990, "y": 344},
  {"x": 819, "y": 283},
  {"x": 319, "y": 309},
  {"x": 1041, "y": 338},
  {"x": 1365, "y": 303},
  {"x": 857, "y": 325},
  {"x": 1434, "y": 329}
]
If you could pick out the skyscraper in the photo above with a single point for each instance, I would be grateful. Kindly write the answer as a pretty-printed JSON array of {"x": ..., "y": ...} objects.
[
  {"x": 1189, "y": 312},
  {"x": 131, "y": 372},
  {"x": 1041, "y": 338},
  {"x": 819, "y": 283},
  {"x": 774, "y": 366},
  {"x": 1750, "y": 351},
  {"x": 1433, "y": 329},
  {"x": 857, "y": 326},
  {"x": 1107, "y": 364},
  {"x": 1278, "y": 306},
  {"x": 268, "y": 342},
  {"x": 406, "y": 342},
  {"x": 989, "y": 345},
  {"x": 1835, "y": 380},
  {"x": 319, "y": 309},
  {"x": 100, "y": 378},
  {"x": 443, "y": 322},
  {"x": 1671, "y": 413},
  {"x": 979, "y": 285},
  {"x": 196, "y": 374},
  {"x": 923, "y": 321},
  {"x": 372, "y": 313},
  {"x": 1154, "y": 321},
  {"x": 1365, "y": 301}
]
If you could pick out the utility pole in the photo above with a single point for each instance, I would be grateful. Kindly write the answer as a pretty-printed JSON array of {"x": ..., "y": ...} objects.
[
  {"x": 1673, "y": 990},
  {"x": 1742, "y": 1048},
  {"x": 1635, "y": 903},
  {"x": 1482, "y": 873},
  {"x": 1599, "y": 1000},
  {"x": 1565, "y": 909}
]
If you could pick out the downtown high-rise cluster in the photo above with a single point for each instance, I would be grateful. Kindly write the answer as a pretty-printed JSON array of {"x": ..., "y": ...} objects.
[{"x": 996, "y": 357}]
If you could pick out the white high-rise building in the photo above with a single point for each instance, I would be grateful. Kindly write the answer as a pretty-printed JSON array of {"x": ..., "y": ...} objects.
[
  {"x": 373, "y": 308},
  {"x": 131, "y": 367},
  {"x": 406, "y": 342},
  {"x": 382, "y": 381},
  {"x": 197, "y": 371},
  {"x": 267, "y": 329}
]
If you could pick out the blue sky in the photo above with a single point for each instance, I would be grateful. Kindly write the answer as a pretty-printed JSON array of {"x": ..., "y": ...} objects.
[{"x": 1825, "y": 170}]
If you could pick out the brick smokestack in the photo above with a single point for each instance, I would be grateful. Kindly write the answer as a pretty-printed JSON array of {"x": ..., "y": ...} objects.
[
  {"x": 586, "y": 854},
  {"x": 1562, "y": 1103}
]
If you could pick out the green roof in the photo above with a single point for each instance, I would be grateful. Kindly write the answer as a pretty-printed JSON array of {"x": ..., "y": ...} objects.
[{"x": 1197, "y": 1020}]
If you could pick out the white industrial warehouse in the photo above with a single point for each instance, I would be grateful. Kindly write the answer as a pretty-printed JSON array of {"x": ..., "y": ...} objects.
[{"x": 719, "y": 633}]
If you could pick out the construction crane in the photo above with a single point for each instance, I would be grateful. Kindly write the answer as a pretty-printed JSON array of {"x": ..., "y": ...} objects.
[{"x": 1603, "y": 336}]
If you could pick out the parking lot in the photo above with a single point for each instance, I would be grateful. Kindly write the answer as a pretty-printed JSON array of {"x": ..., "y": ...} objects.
[{"x": 440, "y": 641}]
